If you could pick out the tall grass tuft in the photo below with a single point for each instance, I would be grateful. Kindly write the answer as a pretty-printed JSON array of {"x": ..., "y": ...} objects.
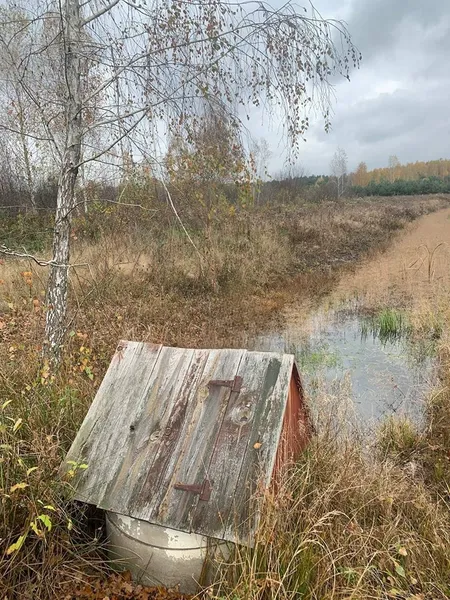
[
  {"x": 43, "y": 536},
  {"x": 387, "y": 325}
]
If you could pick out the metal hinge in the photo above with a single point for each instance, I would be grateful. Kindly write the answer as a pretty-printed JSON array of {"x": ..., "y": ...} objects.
[
  {"x": 234, "y": 384},
  {"x": 203, "y": 490}
]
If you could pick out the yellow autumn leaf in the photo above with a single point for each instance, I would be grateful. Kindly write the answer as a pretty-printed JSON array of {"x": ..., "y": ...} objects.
[
  {"x": 35, "y": 528},
  {"x": 17, "y": 545},
  {"x": 18, "y": 486},
  {"x": 29, "y": 471},
  {"x": 17, "y": 425},
  {"x": 45, "y": 519}
]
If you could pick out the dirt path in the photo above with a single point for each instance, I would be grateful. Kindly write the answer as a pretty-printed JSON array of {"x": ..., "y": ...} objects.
[
  {"x": 416, "y": 267},
  {"x": 414, "y": 272}
]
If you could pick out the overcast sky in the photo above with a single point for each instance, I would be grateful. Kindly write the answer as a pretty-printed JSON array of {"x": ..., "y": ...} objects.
[{"x": 398, "y": 102}]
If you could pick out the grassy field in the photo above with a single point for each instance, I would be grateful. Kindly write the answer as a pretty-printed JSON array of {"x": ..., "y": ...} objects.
[{"x": 347, "y": 522}]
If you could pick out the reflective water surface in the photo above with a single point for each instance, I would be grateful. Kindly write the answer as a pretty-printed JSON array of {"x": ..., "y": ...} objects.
[{"x": 331, "y": 350}]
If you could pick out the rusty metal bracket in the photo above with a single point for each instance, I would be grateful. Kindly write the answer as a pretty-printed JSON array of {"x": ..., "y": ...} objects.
[
  {"x": 203, "y": 490},
  {"x": 234, "y": 384}
]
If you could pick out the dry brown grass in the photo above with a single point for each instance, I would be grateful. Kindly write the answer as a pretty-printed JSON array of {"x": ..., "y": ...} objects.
[
  {"x": 413, "y": 269},
  {"x": 345, "y": 526},
  {"x": 147, "y": 282}
]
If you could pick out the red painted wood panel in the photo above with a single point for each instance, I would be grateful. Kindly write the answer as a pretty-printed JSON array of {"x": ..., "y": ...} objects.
[{"x": 296, "y": 431}]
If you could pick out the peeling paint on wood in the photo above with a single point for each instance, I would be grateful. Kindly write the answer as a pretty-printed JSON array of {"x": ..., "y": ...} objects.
[{"x": 169, "y": 423}]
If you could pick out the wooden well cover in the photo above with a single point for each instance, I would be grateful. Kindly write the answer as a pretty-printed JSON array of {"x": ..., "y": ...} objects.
[{"x": 180, "y": 437}]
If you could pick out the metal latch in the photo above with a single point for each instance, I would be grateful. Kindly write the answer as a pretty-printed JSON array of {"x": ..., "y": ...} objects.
[
  {"x": 203, "y": 490},
  {"x": 234, "y": 384}
]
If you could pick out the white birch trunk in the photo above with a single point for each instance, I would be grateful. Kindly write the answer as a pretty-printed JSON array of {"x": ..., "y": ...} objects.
[
  {"x": 59, "y": 274},
  {"x": 84, "y": 192},
  {"x": 26, "y": 154}
]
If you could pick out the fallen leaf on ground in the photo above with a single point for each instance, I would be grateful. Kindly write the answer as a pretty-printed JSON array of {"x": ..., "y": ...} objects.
[{"x": 118, "y": 586}]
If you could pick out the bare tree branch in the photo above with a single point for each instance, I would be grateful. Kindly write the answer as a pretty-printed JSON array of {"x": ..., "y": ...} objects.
[
  {"x": 101, "y": 12},
  {"x": 186, "y": 232},
  {"x": 39, "y": 261},
  {"x": 30, "y": 135}
]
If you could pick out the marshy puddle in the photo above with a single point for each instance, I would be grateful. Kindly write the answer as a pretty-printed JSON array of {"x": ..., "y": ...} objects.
[
  {"x": 346, "y": 359},
  {"x": 335, "y": 352}
]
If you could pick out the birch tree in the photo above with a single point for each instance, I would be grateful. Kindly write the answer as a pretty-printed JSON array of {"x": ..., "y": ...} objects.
[
  {"x": 339, "y": 170},
  {"x": 204, "y": 167},
  {"x": 260, "y": 154},
  {"x": 360, "y": 176},
  {"x": 394, "y": 164},
  {"x": 158, "y": 62}
]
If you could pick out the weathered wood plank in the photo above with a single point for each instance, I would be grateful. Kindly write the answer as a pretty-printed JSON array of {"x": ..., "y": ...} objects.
[
  {"x": 176, "y": 507},
  {"x": 151, "y": 424},
  {"x": 99, "y": 442},
  {"x": 258, "y": 464},
  {"x": 211, "y": 517},
  {"x": 146, "y": 493},
  {"x": 100, "y": 405}
]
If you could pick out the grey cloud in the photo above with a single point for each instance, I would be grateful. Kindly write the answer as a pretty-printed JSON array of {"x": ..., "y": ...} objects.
[
  {"x": 375, "y": 25},
  {"x": 437, "y": 49},
  {"x": 413, "y": 127},
  {"x": 389, "y": 115},
  {"x": 398, "y": 102}
]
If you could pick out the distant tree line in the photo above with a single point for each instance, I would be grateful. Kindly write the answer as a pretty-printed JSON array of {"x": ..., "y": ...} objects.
[
  {"x": 395, "y": 170},
  {"x": 403, "y": 187},
  {"x": 432, "y": 177}
]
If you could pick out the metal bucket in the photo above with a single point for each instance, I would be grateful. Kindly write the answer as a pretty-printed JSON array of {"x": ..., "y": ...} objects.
[{"x": 158, "y": 556}]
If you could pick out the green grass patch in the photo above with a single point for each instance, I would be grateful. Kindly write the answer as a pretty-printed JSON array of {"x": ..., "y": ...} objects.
[
  {"x": 420, "y": 337},
  {"x": 313, "y": 357},
  {"x": 388, "y": 325}
]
